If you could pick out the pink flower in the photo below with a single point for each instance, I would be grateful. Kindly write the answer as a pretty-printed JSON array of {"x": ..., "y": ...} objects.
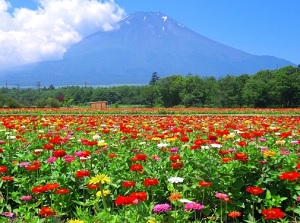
[
  {"x": 221, "y": 196},
  {"x": 51, "y": 159},
  {"x": 69, "y": 158},
  {"x": 193, "y": 206},
  {"x": 26, "y": 198}
]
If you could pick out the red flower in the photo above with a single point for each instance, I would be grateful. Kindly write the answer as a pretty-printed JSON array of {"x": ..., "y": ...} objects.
[
  {"x": 62, "y": 191},
  {"x": 290, "y": 176},
  {"x": 82, "y": 173},
  {"x": 46, "y": 211},
  {"x": 85, "y": 154},
  {"x": 59, "y": 153},
  {"x": 128, "y": 184},
  {"x": 150, "y": 182},
  {"x": 204, "y": 184},
  {"x": 243, "y": 157},
  {"x": 141, "y": 157},
  {"x": 178, "y": 165},
  {"x": 175, "y": 158},
  {"x": 3, "y": 169},
  {"x": 32, "y": 167},
  {"x": 38, "y": 189},
  {"x": 136, "y": 167},
  {"x": 242, "y": 143},
  {"x": 7, "y": 178},
  {"x": 254, "y": 190},
  {"x": 50, "y": 186},
  {"x": 141, "y": 196},
  {"x": 272, "y": 213},
  {"x": 126, "y": 200},
  {"x": 48, "y": 146},
  {"x": 93, "y": 186}
]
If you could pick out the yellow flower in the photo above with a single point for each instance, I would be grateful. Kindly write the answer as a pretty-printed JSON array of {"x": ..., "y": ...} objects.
[
  {"x": 75, "y": 221},
  {"x": 268, "y": 154},
  {"x": 156, "y": 139},
  {"x": 100, "y": 178},
  {"x": 171, "y": 139},
  {"x": 104, "y": 192},
  {"x": 280, "y": 142},
  {"x": 102, "y": 143},
  {"x": 150, "y": 221}
]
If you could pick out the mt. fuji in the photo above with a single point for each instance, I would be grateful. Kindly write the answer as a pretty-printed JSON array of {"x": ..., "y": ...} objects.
[{"x": 144, "y": 43}]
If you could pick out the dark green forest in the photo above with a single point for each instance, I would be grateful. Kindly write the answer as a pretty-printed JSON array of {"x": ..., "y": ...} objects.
[{"x": 266, "y": 88}]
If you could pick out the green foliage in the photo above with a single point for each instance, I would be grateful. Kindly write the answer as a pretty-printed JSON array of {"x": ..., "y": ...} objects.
[{"x": 266, "y": 88}]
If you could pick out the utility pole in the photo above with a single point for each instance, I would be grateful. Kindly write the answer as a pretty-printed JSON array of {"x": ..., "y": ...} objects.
[{"x": 38, "y": 84}]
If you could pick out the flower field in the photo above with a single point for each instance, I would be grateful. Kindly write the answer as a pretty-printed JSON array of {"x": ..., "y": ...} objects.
[{"x": 149, "y": 165}]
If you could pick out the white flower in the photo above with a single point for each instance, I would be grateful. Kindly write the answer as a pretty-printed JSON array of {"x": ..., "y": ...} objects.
[
  {"x": 215, "y": 145},
  {"x": 185, "y": 201},
  {"x": 95, "y": 137},
  {"x": 175, "y": 180},
  {"x": 161, "y": 145},
  {"x": 204, "y": 147}
]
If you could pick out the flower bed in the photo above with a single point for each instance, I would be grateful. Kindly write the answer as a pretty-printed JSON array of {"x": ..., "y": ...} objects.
[{"x": 174, "y": 168}]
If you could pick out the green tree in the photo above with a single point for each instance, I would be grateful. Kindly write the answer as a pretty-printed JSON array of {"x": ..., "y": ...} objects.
[{"x": 154, "y": 79}]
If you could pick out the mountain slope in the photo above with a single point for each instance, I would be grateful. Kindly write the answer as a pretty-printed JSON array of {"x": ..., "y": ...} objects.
[{"x": 145, "y": 42}]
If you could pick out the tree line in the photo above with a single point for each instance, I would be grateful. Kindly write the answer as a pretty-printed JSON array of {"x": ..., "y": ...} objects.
[{"x": 266, "y": 88}]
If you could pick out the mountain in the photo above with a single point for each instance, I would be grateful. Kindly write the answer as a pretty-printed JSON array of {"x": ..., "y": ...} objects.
[{"x": 145, "y": 42}]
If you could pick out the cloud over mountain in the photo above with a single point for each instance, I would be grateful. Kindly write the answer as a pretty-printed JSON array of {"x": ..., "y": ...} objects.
[{"x": 28, "y": 36}]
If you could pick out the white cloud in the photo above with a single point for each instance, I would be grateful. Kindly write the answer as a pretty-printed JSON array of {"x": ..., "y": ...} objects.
[{"x": 46, "y": 33}]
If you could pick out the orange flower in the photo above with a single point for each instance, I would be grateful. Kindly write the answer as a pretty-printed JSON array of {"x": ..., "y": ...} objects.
[
  {"x": 175, "y": 196},
  {"x": 234, "y": 214}
]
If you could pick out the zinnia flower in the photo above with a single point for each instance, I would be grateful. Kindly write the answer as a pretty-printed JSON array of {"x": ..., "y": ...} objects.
[
  {"x": 160, "y": 208},
  {"x": 103, "y": 193},
  {"x": 272, "y": 213},
  {"x": 128, "y": 184},
  {"x": 100, "y": 178},
  {"x": 136, "y": 167},
  {"x": 46, "y": 211},
  {"x": 26, "y": 198},
  {"x": 82, "y": 173},
  {"x": 234, "y": 214},
  {"x": 221, "y": 196},
  {"x": 150, "y": 182},
  {"x": 126, "y": 200},
  {"x": 141, "y": 196},
  {"x": 50, "y": 186},
  {"x": 175, "y": 196},
  {"x": 7, "y": 178},
  {"x": 8, "y": 214},
  {"x": 59, "y": 153},
  {"x": 290, "y": 176},
  {"x": 62, "y": 191},
  {"x": 175, "y": 180},
  {"x": 3, "y": 169},
  {"x": 193, "y": 206},
  {"x": 204, "y": 184},
  {"x": 254, "y": 190}
]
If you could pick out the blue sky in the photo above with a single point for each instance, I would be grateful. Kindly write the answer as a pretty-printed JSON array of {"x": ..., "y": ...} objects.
[{"x": 260, "y": 27}]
